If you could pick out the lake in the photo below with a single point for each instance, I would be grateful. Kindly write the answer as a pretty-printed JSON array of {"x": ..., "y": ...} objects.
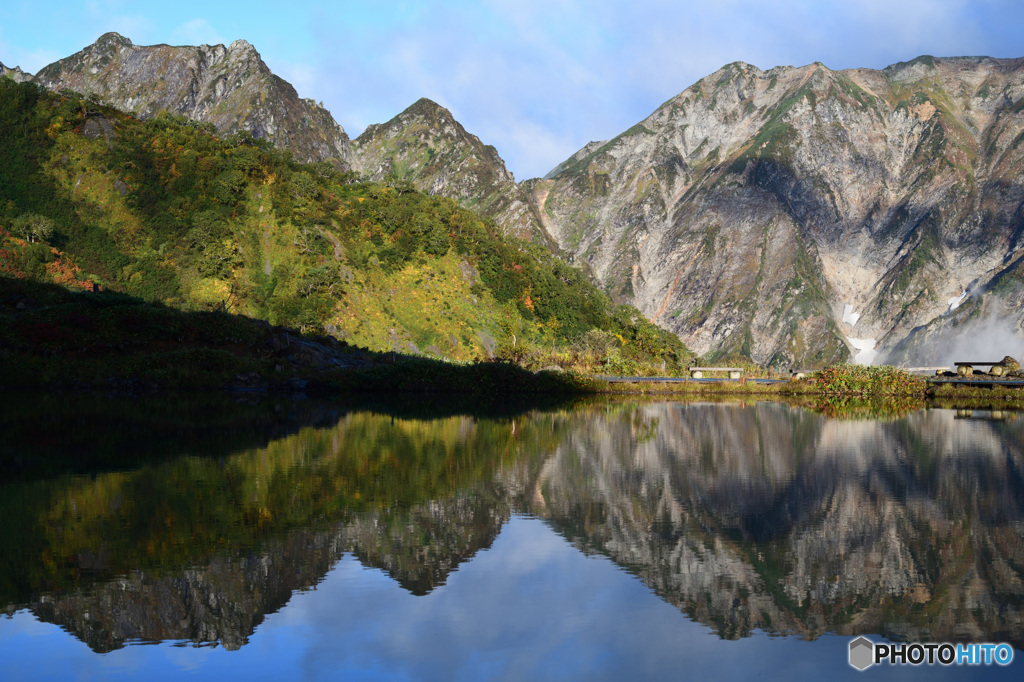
[{"x": 206, "y": 538}]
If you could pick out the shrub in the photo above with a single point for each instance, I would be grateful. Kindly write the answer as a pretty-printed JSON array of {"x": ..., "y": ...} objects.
[{"x": 861, "y": 379}]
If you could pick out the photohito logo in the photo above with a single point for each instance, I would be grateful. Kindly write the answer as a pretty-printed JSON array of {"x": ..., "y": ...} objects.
[{"x": 865, "y": 653}]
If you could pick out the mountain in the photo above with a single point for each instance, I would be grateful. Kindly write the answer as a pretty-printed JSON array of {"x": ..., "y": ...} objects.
[
  {"x": 161, "y": 210},
  {"x": 797, "y": 215},
  {"x": 427, "y": 146},
  {"x": 230, "y": 87}
]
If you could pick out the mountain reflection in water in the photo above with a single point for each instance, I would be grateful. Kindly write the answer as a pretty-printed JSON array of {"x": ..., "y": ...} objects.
[{"x": 745, "y": 517}]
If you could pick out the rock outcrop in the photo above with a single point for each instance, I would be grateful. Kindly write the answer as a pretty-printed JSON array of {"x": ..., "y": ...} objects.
[{"x": 234, "y": 90}]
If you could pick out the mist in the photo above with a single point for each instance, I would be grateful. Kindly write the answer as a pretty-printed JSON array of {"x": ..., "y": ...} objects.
[{"x": 959, "y": 337}]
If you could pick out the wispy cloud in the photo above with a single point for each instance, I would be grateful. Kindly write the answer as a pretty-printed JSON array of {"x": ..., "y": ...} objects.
[
  {"x": 572, "y": 71},
  {"x": 197, "y": 32},
  {"x": 563, "y": 71},
  {"x": 127, "y": 18},
  {"x": 302, "y": 76},
  {"x": 30, "y": 62}
]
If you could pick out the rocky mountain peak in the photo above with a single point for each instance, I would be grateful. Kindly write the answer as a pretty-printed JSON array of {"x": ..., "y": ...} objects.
[
  {"x": 230, "y": 87},
  {"x": 427, "y": 146},
  {"x": 15, "y": 74},
  {"x": 914, "y": 70},
  {"x": 796, "y": 215},
  {"x": 242, "y": 46},
  {"x": 110, "y": 41},
  {"x": 430, "y": 123},
  {"x": 428, "y": 108}
]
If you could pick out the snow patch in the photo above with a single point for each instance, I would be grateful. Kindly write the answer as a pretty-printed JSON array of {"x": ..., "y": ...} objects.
[
  {"x": 850, "y": 316},
  {"x": 866, "y": 352},
  {"x": 955, "y": 302}
]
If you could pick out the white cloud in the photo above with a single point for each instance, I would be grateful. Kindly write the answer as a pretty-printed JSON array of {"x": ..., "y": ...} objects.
[
  {"x": 302, "y": 76},
  {"x": 530, "y": 144},
  {"x": 30, "y": 62},
  {"x": 109, "y": 15}
]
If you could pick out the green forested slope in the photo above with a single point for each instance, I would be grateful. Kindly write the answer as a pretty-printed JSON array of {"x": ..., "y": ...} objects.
[{"x": 166, "y": 212}]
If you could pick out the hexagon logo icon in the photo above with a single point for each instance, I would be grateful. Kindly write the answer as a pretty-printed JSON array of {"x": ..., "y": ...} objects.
[{"x": 862, "y": 653}]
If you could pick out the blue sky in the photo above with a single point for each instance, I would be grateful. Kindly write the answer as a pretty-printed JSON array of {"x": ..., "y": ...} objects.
[{"x": 538, "y": 79}]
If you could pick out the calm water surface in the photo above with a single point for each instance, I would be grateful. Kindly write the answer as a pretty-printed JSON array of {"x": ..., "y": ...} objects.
[{"x": 598, "y": 541}]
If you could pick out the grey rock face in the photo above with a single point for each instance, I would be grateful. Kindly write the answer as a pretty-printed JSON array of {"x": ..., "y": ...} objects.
[
  {"x": 782, "y": 213},
  {"x": 230, "y": 87}
]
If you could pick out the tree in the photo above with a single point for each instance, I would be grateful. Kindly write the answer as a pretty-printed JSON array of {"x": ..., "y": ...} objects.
[{"x": 32, "y": 227}]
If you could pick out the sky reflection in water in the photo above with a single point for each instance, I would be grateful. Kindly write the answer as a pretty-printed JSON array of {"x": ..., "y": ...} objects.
[{"x": 530, "y": 607}]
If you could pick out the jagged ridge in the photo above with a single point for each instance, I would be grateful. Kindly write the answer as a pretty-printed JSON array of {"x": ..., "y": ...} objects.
[{"x": 230, "y": 87}]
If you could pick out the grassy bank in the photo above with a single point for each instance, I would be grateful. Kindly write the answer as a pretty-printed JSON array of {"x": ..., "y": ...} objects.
[
  {"x": 847, "y": 380},
  {"x": 844, "y": 390},
  {"x": 996, "y": 397}
]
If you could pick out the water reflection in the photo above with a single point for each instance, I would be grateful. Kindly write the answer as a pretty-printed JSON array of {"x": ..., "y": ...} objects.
[
  {"x": 745, "y": 517},
  {"x": 774, "y": 518}
]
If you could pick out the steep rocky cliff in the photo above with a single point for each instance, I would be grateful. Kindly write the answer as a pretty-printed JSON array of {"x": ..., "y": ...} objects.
[
  {"x": 801, "y": 214},
  {"x": 229, "y": 87},
  {"x": 426, "y": 146},
  {"x": 234, "y": 90}
]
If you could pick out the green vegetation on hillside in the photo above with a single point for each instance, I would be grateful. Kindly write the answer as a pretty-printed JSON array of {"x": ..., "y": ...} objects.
[{"x": 163, "y": 211}]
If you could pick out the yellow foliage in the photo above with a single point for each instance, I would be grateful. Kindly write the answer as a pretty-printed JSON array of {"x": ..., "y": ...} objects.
[{"x": 210, "y": 290}]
